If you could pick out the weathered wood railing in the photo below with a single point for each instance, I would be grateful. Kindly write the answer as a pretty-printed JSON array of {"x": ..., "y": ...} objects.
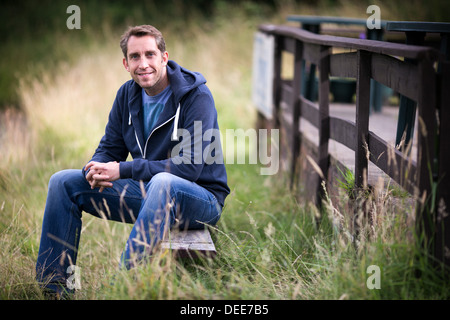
[{"x": 384, "y": 62}]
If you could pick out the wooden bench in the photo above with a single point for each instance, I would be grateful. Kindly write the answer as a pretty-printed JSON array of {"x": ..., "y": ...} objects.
[{"x": 190, "y": 243}]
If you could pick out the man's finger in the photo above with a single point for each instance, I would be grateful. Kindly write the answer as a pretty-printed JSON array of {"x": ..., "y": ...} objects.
[
  {"x": 98, "y": 166},
  {"x": 100, "y": 184},
  {"x": 90, "y": 164},
  {"x": 91, "y": 172},
  {"x": 100, "y": 177}
]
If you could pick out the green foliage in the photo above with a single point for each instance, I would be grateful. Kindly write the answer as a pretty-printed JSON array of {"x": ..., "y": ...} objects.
[
  {"x": 347, "y": 181},
  {"x": 35, "y": 36}
]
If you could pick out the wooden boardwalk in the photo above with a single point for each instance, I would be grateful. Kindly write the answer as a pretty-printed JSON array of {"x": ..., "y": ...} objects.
[
  {"x": 383, "y": 124},
  {"x": 406, "y": 69}
]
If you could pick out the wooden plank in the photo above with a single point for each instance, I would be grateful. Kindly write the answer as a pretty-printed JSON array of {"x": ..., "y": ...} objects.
[
  {"x": 317, "y": 20},
  {"x": 362, "y": 118},
  {"x": 393, "y": 162},
  {"x": 288, "y": 45},
  {"x": 277, "y": 81},
  {"x": 418, "y": 26},
  {"x": 343, "y": 131},
  {"x": 387, "y": 48},
  {"x": 309, "y": 111},
  {"x": 324, "y": 112},
  {"x": 401, "y": 76},
  {"x": 295, "y": 105},
  {"x": 443, "y": 196},
  {"x": 284, "y": 119},
  {"x": 311, "y": 52},
  {"x": 343, "y": 65},
  {"x": 286, "y": 94},
  {"x": 190, "y": 243},
  {"x": 427, "y": 124},
  {"x": 425, "y": 160}
]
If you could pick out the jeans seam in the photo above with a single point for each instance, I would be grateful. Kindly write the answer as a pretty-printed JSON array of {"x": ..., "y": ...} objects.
[
  {"x": 209, "y": 201},
  {"x": 212, "y": 202},
  {"x": 76, "y": 194}
]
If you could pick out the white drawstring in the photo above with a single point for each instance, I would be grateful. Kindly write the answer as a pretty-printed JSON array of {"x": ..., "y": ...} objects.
[
  {"x": 174, "y": 133},
  {"x": 175, "y": 125}
]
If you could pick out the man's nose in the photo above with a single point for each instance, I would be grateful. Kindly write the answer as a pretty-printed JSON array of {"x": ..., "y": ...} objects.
[{"x": 143, "y": 63}]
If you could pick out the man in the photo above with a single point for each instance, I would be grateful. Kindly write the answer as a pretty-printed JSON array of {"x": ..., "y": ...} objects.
[{"x": 159, "y": 188}]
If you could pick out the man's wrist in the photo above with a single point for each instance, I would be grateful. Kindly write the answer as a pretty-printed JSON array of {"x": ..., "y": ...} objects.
[{"x": 125, "y": 169}]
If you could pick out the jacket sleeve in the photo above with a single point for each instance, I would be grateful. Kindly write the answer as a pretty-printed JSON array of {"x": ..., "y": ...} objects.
[
  {"x": 187, "y": 158},
  {"x": 112, "y": 146}
]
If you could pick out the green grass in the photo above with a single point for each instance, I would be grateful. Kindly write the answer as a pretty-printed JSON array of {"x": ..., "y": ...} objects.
[
  {"x": 271, "y": 244},
  {"x": 269, "y": 247}
]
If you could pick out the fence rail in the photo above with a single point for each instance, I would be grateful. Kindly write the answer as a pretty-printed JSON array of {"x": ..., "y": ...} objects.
[{"x": 408, "y": 70}]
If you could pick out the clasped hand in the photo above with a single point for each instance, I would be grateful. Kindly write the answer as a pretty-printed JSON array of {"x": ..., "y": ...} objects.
[{"x": 101, "y": 175}]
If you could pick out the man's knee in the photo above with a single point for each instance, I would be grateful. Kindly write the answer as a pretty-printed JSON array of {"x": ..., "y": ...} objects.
[
  {"x": 163, "y": 186},
  {"x": 66, "y": 178},
  {"x": 163, "y": 180}
]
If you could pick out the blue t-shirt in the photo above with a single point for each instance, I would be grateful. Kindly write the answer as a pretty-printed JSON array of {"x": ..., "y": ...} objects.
[{"x": 152, "y": 106}]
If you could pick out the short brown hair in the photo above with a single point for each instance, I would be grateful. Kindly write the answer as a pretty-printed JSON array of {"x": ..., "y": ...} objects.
[{"x": 140, "y": 31}]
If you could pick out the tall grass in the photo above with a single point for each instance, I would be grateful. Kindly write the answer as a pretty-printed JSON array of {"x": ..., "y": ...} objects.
[{"x": 270, "y": 244}]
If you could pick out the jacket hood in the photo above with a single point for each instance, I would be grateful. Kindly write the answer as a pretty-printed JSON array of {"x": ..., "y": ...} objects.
[{"x": 182, "y": 80}]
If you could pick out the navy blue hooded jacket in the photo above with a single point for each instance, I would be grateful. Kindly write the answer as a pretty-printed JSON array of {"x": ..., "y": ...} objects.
[{"x": 190, "y": 106}]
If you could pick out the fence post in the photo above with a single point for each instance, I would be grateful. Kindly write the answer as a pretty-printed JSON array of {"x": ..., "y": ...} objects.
[
  {"x": 296, "y": 91},
  {"x": 443, "y": 194},
  {"x": 362, "y": 117},
  {"x": 276, "y": 82},
  {"x": 324, "y": 114},
  {"x": 426, "y": 206}
]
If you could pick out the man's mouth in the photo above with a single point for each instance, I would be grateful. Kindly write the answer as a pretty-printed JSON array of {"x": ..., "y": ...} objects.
[{"x": 144, "y": 74}]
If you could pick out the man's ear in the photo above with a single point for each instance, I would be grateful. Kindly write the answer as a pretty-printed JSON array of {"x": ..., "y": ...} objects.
[
  {"x": 165, "y": 58},
  {"x": 125, "y": 64}
]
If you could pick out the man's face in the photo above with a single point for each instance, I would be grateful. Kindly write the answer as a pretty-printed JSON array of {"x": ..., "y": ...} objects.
[{"x": 146, "y": 64}]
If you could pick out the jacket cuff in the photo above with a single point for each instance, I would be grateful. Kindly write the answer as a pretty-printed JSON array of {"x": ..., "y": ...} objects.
[{"x": 126, "y": 169}]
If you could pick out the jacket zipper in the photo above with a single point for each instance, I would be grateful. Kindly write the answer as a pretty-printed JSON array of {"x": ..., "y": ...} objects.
[
  {"x": 146, "y": 142},
  {"x": 174, "y": 134}
]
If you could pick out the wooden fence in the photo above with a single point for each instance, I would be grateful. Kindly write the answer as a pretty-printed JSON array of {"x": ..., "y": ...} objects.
[{"x": 408, "y": 70}]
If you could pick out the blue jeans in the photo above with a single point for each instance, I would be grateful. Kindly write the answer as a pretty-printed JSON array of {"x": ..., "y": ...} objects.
[{"x": 167, "y": 201}]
